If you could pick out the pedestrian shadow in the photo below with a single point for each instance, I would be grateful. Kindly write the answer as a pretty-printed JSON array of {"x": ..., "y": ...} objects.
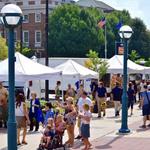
[
  {"x": 77, "y": 144},
  {"x": 3, "y": 131},
  {"x": 4, "y": 148},
  {"x": 108, "y": 145},
  {"x": 142, "y": 129}
]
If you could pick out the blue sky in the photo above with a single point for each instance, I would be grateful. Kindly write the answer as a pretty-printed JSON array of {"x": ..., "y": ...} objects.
[{"x": 137, "y": 8}]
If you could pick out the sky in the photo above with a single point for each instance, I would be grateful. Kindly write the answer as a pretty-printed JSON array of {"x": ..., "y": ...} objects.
[{"x": 136, "y": 8}]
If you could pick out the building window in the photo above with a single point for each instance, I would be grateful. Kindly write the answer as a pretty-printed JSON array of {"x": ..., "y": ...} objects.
[
  {"x": 26, "y": 18},
  {"x": 15, "y": 36},
  {"x": 38, "y": 17},
  {"x": 19, "y": 3},
  {"x": 56, "y": 3},
  {"x": 37, "y": 38},
  {"x": 26, "y": 38},
  {"x": 31, "y": 2}
]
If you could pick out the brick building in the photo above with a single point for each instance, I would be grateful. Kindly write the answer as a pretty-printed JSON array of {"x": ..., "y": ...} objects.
[{"x": 32, "y": 31}]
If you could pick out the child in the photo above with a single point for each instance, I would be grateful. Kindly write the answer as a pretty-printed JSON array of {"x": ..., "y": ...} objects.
[
  {"x": 49, "y": 112},
  {"x": 49, "y": 132},
  {"x": 60, "y": 125},
  {"x": 85, "y": 125}
]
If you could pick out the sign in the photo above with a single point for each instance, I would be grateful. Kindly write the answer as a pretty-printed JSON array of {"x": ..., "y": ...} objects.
[{"x": 119, "y": 48}]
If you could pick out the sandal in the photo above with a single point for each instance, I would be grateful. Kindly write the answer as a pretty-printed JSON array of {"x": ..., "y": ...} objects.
[
  {"x": 18, "y": 143},
  {"x": 148, "y": 125},
  {"x": 24, "y": 142}
]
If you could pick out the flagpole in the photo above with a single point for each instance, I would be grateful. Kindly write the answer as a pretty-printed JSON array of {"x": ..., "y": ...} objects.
[{"x": 105, "y": 42}]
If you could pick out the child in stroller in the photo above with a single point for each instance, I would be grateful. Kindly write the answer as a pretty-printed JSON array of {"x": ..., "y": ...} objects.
[{"x": 53, "y": 141}]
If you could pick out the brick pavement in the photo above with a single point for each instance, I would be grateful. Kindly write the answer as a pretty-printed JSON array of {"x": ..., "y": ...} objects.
[{"x": 103, "y": 135}]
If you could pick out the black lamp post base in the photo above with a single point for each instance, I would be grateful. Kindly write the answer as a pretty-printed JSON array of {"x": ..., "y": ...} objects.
[{"x": 124, "y": 131}]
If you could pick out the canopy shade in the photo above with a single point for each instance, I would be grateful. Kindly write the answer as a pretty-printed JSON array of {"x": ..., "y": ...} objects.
[
  {"x": 115, "y": 65},
  {"x": 26, "y": 69},
  {"x": 71, "y": 68}
]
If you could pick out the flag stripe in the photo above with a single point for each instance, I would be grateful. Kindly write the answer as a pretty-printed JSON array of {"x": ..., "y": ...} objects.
[{"x": 102, "y": 22}]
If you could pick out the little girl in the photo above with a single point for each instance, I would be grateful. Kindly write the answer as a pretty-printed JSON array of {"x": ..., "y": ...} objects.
[
  {"x": 48, "y": 132},
  {"x": 85, "y": 125}
]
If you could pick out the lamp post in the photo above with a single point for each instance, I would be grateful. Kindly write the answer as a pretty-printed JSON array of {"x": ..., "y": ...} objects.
[
  {"x": 11, "y": 17},
  {"x": 125, "y": 33}
]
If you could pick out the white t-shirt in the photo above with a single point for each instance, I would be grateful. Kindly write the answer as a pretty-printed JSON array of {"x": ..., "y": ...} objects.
[
  {"x": 19, "y": 111},
  {"x": 33, "y": 102},
  {"x": 86, "y": 114},
  {"x": 82, "y": 101}
]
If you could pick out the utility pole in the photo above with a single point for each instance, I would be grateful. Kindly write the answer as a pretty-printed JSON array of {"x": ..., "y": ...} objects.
[{"x": 46, "y": 49}]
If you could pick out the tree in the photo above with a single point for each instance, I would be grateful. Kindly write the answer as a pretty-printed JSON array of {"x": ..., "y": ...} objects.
[
  {"x": 140, "y": 38},
  {"x": 3, "y": 49},
  {"x": 96, "y": 64},
  {"x": 134, "y": 55},
  {"x": 73, "y": 31},
  {"x": 25, "y": 50}
]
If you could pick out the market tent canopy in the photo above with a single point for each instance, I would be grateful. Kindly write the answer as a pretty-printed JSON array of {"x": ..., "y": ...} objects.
[
  {"x": 115, "y": 65},
  {"x": 26, "y": 69},
  {"x": 71, "y": 68}
]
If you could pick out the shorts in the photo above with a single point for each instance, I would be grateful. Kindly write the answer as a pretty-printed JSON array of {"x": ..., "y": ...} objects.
[
  {"x": 146, "y": 110},
  {"x": 21, "y": 121},
  {"x": 85, "y": 130}
]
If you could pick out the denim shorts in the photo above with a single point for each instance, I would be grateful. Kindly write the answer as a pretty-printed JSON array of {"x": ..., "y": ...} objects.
[{"x": 85, "y": 130}]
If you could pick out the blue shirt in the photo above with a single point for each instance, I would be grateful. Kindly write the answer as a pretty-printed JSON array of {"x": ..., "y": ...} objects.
[
  {"x": 117, "y": 93},
  {"x": 143, "y": 95},
  {"x": 101, "y": 91},
  {"x": 49, "y": 114},
  {"x": 130, "y": 93}
]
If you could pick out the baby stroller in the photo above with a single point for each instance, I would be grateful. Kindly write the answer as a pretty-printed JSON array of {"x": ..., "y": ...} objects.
[{"x": 56, "y": 142}]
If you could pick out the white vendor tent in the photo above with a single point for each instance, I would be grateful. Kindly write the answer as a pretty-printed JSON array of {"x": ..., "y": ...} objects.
[
  {"x": 73, "y": 72},
  {"x": 26, "y": 69},
  {"x": 115, "y": 65},
  {"x": 71, "y": 68}
]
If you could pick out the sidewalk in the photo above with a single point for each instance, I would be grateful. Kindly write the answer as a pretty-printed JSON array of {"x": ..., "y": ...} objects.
[{"x": 103, "y": 134}]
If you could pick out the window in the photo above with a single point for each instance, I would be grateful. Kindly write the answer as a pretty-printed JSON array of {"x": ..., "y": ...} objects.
[
  {"x": 15, "y": 36},
  {"x": 37, "y": 38},
  {"x": 26, "y": 18},
  {"x": 26, "y": 38},
  {"x": 31, "y": 2},
  {"x": 38, "y": 17}
]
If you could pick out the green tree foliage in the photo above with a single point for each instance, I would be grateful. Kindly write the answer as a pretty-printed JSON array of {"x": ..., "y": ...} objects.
[
  {"x": 73, "y": 31},
  {"x": 134, "y": 55},
  {"x": 140, "y": 38},
  {"x": 97, "y": 64},
  {"x": 3, "y": 49},
  {"x": 25, "y": 50}
]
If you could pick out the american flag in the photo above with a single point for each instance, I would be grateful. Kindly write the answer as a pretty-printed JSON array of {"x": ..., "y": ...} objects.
[{"x": 102, "y": 22}]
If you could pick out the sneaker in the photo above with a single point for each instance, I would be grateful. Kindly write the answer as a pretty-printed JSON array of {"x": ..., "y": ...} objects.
[{"x": 98, "y": 116}]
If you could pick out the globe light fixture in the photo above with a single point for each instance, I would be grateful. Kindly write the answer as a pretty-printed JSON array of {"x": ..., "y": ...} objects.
[
  {"x": 125, "y": 33},
  {"x": 11, "y": 17}
]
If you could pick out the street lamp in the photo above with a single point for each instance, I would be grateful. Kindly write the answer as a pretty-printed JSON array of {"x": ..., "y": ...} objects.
[
  {"x": 125, "y": 33},
  {"x": 11, "y": 17}
]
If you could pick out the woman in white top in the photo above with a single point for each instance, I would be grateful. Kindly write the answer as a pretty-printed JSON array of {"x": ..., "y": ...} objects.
[{"x": 21, "y": 117}]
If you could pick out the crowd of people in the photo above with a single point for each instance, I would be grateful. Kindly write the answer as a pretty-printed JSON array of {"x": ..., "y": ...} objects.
[{"x": 75, "y": 110}]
